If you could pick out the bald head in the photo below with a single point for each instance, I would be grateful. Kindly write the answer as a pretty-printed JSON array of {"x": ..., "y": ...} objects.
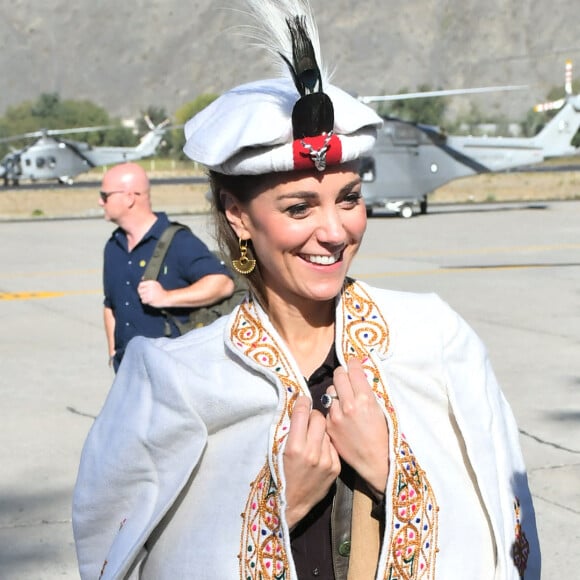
[
  {"x": 128, "y": 177},
  {"x": 127, "y": 201}
]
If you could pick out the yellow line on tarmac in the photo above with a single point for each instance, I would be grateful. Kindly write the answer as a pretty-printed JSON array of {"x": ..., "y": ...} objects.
[{"x": 37, "y": 295}]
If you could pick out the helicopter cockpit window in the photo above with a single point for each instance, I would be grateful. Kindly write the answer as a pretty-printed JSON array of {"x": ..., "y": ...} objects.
[
  {"x": 367, "y": 169},
  {"x": 27, "y": 162},
  {"x": 40, "y": 162}
]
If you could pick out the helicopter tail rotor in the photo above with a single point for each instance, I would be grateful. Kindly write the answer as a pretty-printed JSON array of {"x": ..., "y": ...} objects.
[
  {"x": 149, "y": 122},
  {"x": 559, "y": 103},
  {"x": 152, "y": 127}
]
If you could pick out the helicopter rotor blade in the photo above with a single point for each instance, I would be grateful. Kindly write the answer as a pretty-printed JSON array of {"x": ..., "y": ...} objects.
[
  {"x": 78, "y": 130},
  {"x": 549, "y": 106},
  {"x": 568, "y": 78},
  {"x": 20, "y": 137},
  {"x": 440, "y": 93},
  {"x": 165, "y": 125},
  {"x": 50, "y": 132}
]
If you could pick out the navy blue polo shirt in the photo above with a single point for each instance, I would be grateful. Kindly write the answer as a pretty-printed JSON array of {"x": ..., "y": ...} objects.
[{"x": 188, "y": 259}]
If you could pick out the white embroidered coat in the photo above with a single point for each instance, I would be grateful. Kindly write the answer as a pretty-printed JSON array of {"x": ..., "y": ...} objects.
[{"x": 204, "y": 417}]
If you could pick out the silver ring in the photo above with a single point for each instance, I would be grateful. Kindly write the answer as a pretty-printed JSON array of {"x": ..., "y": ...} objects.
[{"x": 327, "y": 399}]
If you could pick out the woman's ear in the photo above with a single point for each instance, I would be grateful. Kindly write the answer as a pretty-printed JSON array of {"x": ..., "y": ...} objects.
[{"x": 235, "y": 215}]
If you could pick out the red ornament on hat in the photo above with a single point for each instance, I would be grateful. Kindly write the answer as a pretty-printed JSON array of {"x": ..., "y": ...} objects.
[{"x": 320, "y": 151}]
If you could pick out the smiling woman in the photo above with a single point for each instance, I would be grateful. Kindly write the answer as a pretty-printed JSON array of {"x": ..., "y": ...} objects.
[
  {"x": 325, "y": 428},
  {"x": 296, "y": 221}
]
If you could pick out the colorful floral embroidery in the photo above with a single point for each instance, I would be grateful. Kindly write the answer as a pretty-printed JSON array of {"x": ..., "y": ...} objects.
[
  {"x": 263, "y": 555},
  {"x": 521, "y": 546},
  {"x": 413, "y": 526}
]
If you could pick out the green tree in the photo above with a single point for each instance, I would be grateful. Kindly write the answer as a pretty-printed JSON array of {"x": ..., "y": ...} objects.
[
  {"x": 426, "y": 110},
  {"x": 50, "y": 112},
  {"x": 467, "y": 123},
  {"x": 4, "y": 133},
  {"x": 532, "y": 123},
  {"x": 121, "y": 137},
  {"x": 48, "y": 106}
]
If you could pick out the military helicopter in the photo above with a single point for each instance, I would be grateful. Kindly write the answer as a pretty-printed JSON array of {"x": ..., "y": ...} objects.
[
  {"x": 411, "y": 160},
  {"x": 50, "y": 157}
]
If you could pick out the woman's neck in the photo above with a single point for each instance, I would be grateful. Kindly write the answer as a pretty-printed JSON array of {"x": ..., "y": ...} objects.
[{"x": 308, "y": 331}]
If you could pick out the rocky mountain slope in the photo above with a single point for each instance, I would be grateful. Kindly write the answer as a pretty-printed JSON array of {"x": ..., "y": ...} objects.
[{"x": 128, "y": 55}]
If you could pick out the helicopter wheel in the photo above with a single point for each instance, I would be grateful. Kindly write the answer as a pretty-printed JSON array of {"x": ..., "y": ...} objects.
[
  {"x": 423, "y": 205},
  {"x": 369, "y": 211},
  {"x": 406, "y": 211}
]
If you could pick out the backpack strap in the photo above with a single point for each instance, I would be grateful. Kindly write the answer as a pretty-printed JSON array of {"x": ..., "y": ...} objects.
[
  {"x": 198, "y": 316},
  {"x": 154, "y": 265}
]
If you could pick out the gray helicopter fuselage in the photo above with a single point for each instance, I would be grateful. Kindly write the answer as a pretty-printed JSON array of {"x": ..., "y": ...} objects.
[
  {"x": 409, "y": 160},
  {"x": 498, "y": 153},
  {"x": 49, "y": 159},
  {"x": 407, "y": 163}
]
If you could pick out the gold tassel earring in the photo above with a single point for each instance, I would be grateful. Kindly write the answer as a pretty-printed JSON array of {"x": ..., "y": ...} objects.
[{"x": 244, "y": 265}]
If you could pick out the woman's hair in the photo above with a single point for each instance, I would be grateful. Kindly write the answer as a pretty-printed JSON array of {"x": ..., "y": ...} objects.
[{"x": 243, "y": 188}]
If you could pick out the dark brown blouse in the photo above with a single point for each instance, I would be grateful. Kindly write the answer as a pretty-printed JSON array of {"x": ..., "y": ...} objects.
[{"x": 311, "y": 539}]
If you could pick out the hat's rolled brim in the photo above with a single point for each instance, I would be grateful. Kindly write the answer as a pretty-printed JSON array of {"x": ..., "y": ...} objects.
[{"x": 248, "y": 130}]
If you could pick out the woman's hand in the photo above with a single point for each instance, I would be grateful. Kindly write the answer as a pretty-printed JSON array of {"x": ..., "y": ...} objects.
[
  {"x": 357, "y": 425},
  {"x": 311, "y": 463}
]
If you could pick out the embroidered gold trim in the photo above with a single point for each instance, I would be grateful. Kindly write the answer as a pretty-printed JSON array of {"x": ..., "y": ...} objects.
[
  {"x": 414, "y": 521},
  {"x": 262, "y": 552},
  {"x": 412, "y": 530}
]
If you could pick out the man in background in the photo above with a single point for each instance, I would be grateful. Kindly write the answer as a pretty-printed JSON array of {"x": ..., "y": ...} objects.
[{"x": 190, "y": 276}]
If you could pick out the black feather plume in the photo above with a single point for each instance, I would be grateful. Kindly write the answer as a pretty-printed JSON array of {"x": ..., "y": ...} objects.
[
  {"x": 313, "y": 113},
  {"x": 304, "y": 67}
]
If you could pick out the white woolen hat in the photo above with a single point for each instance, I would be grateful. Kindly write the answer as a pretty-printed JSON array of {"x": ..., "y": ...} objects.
[
  {"x": 283, "y": 124},
  {"x": 248, "y": 130}
]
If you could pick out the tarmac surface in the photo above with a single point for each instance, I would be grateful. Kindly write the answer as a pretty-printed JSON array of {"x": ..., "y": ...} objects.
[{"x": 513, "y": 271}]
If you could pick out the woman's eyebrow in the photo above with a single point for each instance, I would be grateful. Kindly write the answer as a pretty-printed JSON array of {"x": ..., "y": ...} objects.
[
  {"x": 313, "y": 194},
  {"x": 349, "y": 186},
  {"x": 298, "y": 195}
]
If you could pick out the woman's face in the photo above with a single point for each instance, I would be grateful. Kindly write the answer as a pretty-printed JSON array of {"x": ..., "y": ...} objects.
[{"x": 305, "y": 229}]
